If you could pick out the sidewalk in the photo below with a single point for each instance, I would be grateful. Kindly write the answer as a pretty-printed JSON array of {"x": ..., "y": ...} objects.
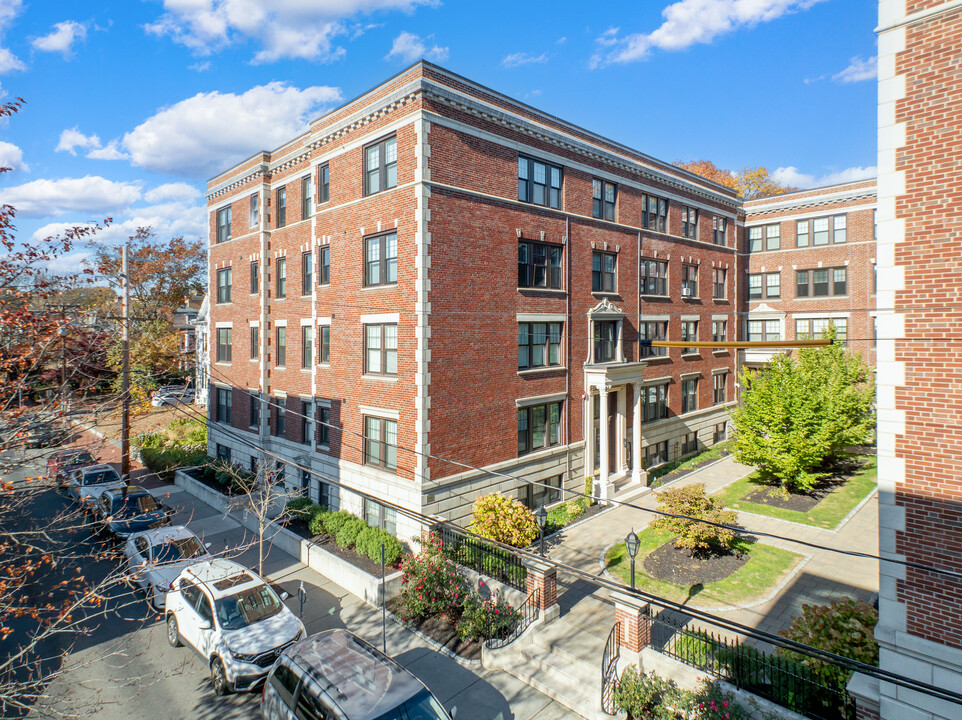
[{"x": 476, "y": 692}]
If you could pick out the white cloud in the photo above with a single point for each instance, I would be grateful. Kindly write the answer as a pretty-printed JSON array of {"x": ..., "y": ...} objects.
[
  {"x": 858, "y": 70},
  {"x": 9, "y": 62},
  {"x": 522, "y": 58},
  {"x": 409, "y": 47},
  {"x": 9, "y": 10},
  {"x": 72, "y": 138},
  {"x": 690, "y": 22},
  {"x": 11, "y": 157},
  {"x": 112, "y": 151},
  {"x": 192, "y": 139},
  {"x": 91, "y": 194},
  {"x": 61, "y": 38},
  {"x": 302, "y": 29},
  {"x": 791, "y": 176},
  {"x": 200, "y": 67},
  {"x": 172, "y": 191}
]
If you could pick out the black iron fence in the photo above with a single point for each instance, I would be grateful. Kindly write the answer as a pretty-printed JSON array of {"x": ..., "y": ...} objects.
[
  {"x": 527, "y": 614},
  {"x": 609, "y": 669},
  {"x": 782, "y": 680},
  {"x": 487, "y": 559}
]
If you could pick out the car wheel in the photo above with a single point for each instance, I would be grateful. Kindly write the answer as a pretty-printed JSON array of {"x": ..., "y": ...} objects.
[
  {"x": 173, "y": 633},
  {"x": 218, "y": 678}
]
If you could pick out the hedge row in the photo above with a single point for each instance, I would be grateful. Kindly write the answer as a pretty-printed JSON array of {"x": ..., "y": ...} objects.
[{"x": 347, "y": 530}]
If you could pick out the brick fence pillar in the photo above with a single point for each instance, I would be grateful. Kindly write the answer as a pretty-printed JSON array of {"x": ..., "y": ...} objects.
[
  {"x": 633, "y": 614},
  {"x": 865, "y": 690},
  {"x": 544, "y": 578}
]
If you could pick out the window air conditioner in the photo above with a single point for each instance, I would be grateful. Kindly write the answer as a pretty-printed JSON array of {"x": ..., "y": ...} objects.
[{"x": 686, "y": 292}]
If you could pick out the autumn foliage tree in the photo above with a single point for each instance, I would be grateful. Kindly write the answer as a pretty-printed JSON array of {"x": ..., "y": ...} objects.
[{"x": 750, "y": 183}]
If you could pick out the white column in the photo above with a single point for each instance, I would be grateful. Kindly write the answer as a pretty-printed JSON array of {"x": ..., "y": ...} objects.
[
  {"x": 604, "y": 489},
  {"x": 621, "y": 430},
  {"x": 589, "y": 425},
  {"x": 637, "y": 474}
]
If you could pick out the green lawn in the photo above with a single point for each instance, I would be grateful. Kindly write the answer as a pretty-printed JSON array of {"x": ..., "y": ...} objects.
[
  {"x": 712, "y": 453},
  {"x": 764, "y": 569},
  {"x": 827, "y": 514}
]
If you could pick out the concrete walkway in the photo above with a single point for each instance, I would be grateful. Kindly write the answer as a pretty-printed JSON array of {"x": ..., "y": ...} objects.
[{"x": 823, "y": 576}]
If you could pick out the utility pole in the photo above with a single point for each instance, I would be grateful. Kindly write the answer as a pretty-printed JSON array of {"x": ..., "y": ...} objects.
[{"x": 125, "y": 378}]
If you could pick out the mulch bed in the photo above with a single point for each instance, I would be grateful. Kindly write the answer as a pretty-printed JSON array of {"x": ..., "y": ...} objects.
[
  {"x": 441, "y": 630},
  {"x": 200, "y": 476},
  {"x": 326, "y": 542},
  {"x": 673, "y": 565},
  {"x": 803, "y": 502}
]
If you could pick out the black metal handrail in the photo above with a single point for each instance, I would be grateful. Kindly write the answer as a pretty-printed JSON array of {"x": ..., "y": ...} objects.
[
  {"x": 528, "y": 611},
  {"x": 486, "y": 559},
  {"x": 609, "y": 669}
]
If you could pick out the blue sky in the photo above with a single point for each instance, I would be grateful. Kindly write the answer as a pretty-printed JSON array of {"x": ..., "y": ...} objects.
[{"x": 133, "y": 104}]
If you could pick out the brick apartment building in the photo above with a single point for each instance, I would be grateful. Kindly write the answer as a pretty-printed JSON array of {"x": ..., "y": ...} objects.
[{"x": 435, "y": 272}]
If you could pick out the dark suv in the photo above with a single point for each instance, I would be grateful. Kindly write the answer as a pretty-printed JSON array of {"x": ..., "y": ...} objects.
[{"x": 124, "y": 511}]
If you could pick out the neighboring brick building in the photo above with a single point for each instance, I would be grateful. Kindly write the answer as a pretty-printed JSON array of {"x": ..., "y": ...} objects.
[
  {"x": 437, "y": 268},
  {"x": 919, "y": 355},
  {"x": 809, "y": 260}
]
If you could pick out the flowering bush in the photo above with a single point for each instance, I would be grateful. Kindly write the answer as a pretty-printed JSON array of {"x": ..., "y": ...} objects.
[
  {"x": 431, "y": 584},
  {"x": 650, "y": 696},
  {"x": 504, "y": 519},
  {"x": 484, "y": 619}
]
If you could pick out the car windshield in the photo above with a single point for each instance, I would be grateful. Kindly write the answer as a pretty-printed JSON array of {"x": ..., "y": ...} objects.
[
  {"x": 79, "y": 459},
  {"x": 422, "y": 706},
  {"x": 247, "y": 607},
  {"x": 99, "y": 477},
  {"x": 133, "y": 505},
  {"x": 171, "y": 551}
]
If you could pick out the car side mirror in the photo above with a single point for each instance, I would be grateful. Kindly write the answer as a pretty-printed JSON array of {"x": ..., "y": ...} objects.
[
  {"x": 454, "y": 712},
  {"x": 204, "y": 625},
  {"x": 285, "y": 595},
  {"x": 208, "y": 545}
]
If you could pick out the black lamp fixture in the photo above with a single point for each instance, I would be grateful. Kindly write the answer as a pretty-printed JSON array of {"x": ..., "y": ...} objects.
[
  {"x": 542, "y": 517},
  {"x": 631, "y": 545}
]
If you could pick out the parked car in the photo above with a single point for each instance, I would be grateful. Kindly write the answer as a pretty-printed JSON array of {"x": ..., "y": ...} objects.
[
  {"x": 86, "y": 484},
  {"x": 336, "y": 674},
  {"x": 40, "y": 434},
  {"x": 62, "y": 462},
  {"x": 172, "y": 397},
  {"x": 126, "y": 510},
  {"x": 156, "y": 557},
  {"x": 233, "y": 619}
]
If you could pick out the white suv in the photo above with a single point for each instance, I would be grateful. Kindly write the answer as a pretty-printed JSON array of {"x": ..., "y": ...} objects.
[{"x": 233, "y": 619}]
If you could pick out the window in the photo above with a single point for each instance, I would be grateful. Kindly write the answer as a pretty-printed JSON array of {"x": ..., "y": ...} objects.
[
  {"x": 655, "y": 455},
  {"x": 603, "y": 272},
  {"x": 719, "y": 284},
  {"x": 254, "y": 466},
  {"x": 874, "y": 278},
  {"x": 689, "y": 281},
  {"x": 773, "y": 285},
  {"x": 719, "y": 330},
  {"x": 255, "y": 211},
  {"x": 380, "y": 349},
  {"x": 719, "y": 384},
  {"x": 821, "y": 282},
  {"x": 324, "y": 265},
  {"x": 307, "y": 345},
  {"x": 324, "y": 344},
  {"x": 380, "y": 442},
  {"x": 281, "y": 270},
  {"x": 825, "y": 230},
  {"x": 534, "y": 496},
  {"x": 224, "y": 396},
  {"x": 539, "y": 265},
  {"x": 280, "y": 359},
  {"x": 539, "y": 344},
  {"x": 817, "y": 327},
  {"x": 605, "y": 340},
  {"x": 689, "y": 222},
  {"x": 689, "y": 333},
  {"x": 306, "y": 191},
  {"x": 307, "y": 422},
  {"x": 539, "y": 183},
  {"x": 539, "y": 426},
  {"x": 603, "y": 199},
  {"x": 284, "y": 681},
  {"x": 255, "y": 342},
  {"x": 754, "y": 287},
  {"x": 764, "y": 330},
  {"x": 654, "y": 213},
  {"x": 280, "y": 470},
  {"x": 307, "y": 272},
  {"x": 380, "y": 166},
  {"x": 255, "y": 278},
  {"x": 255, "y": 410},
  {"x": 380, "y": 265},
  {"x": 280, "y": 417},
  {"x": 324, "y": 180},
  {"x": 323, "y": 421},
  {"x": 223, "y": 224},
  {"x": 281, "y": 209},
  {"x": 225, "y": 279},
  {"x": 719, "y": 230},
  {"x": 773, "y": 239},
  {"x": 655, "y": 402},
  {"x": 721, "y": 433},
  {"x": 223, "y": 345},
  {"x": 689, "y": 395},
  {"x": 380, "y": 516},
  {"x": 653, "y": 330},
  {"x": 754, "y": 239},
  {"x": 690, "y": 443},
  {"x": 654, "y": 277},
  {"x": 801, "y": 233},
  {"x": 327, "y": 495}
]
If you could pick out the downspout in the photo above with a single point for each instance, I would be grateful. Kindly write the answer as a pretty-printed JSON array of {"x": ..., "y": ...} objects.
[{"x": 567, "y": 242}]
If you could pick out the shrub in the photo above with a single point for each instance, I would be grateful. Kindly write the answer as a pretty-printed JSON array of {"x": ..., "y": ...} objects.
[
  {"x": 503, "y": 519},
  {"x": 369, "y": 543},
  {"x": 647, "y": 696},
  {"x": 315, "y": 523},
  {"x": 590, "y": 490},
  {"x": 350, "y": 529},
  {"x": 692, "y": 502},
  {"x": 710, "y": 702},
  {"x": 484, "y": 619},
  {"x": 164, "y": 461},
  {"x": 431, "y": 584},
  {"x": 299, "y": 508},
  {"x": 335, "y": 521}
]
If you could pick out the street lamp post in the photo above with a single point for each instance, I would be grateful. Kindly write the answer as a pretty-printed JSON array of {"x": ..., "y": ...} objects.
[
  {"x": 542, "y": 516},
  {"x": 631, "y": 545}
]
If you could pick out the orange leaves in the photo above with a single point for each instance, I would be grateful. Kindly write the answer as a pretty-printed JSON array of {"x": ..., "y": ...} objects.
[{"x": 750, "y": 182}]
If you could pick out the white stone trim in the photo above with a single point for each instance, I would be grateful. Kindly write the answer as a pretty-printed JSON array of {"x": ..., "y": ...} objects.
[
  {"x": 254, "y": 323},
  {"x": 720, "y": 317},
  {"x": 541, "y": 317},
  {"x": 720, "y": 371},
  {"x": 816, "y": 315},
  {"x": 655, "y": 318},
  {"x": 690, "y": 318},
  {"x": 656, "y": 381},
  {"x": 307, "y": 322},
  {"x": 224, "y": 324},
  {"x": 422, "y": 303},
  {"x": 321, "y": 321},
  {"x": 540, "y": 399},
  {"x": 815, "y": 203},
  {"x": 280, "y": 323},
  {"x": 379, "y": 412},
  {"x": 380, "y": 318}
]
